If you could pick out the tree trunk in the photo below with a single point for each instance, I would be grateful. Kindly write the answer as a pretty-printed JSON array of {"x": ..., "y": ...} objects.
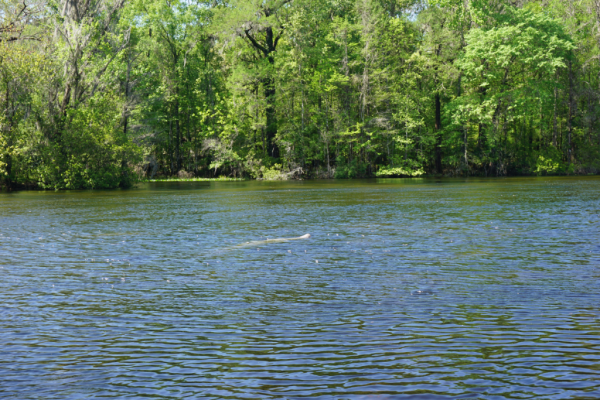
[
  {"x": 125, "y": 111},
  {"x": 466, "y": 148},
  {"x": 272, "y": 148},
  {"x": 346, "y": 70},
  {"x": 571, "y": 115},
  {"x": 464, "y": 127},
  {"x": 171, "y": 146},
  {"x": 8, "y": 181},
  {"x": 328, "y": 164},
  {"x": 7, "y": 156},
  {"x": 597, "y": 12},
  {"x": 438, "y": 134},
  {"x": 555, "y": 130},
  {"x": 177, "y": 135},
  {"x": 267, "y": 49}
]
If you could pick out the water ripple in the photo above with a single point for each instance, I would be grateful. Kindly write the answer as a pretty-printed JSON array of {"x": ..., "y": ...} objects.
[{"x": 407, "y": 289}]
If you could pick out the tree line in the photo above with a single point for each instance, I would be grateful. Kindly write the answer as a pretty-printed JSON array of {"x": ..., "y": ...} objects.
[{"x": 101, "y": 93}]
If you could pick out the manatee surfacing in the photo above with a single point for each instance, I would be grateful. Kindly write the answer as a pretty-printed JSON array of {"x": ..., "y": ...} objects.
[{"x": 422, "y": 292}]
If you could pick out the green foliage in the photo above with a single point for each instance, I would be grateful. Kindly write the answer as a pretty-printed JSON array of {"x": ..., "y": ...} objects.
[
  {"x": 273, "y": 174},
  {"x": 103, "y": 93},
  {"x": 98, "y": 154},
  {"x": 398, "y": 172},
  {"x": 353, "y": 169}
]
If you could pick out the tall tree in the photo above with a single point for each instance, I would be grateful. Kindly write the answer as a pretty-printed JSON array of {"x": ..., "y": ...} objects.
[{"x": 261, "y": 24}]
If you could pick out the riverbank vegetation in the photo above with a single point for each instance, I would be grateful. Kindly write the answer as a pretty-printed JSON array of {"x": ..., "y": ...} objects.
[
  {"x": 171, "y": 179},
  {"x": 102, "y": 93}
]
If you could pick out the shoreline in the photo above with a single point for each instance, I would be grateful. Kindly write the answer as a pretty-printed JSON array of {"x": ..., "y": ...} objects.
[{"x": 27, "y": 188}]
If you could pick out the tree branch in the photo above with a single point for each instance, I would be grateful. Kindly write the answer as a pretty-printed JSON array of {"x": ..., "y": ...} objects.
[{"x": 255, "y": 43}]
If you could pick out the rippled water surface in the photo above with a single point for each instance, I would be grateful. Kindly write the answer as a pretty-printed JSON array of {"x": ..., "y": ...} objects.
[{"x": 420, "y": 289}]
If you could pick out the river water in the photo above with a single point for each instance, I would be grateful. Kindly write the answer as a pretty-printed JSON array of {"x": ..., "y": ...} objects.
[{"x": 420, "y": 289}]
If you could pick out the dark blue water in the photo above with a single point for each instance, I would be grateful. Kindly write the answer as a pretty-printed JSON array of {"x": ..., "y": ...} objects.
[{"x": 420, "y": 289}]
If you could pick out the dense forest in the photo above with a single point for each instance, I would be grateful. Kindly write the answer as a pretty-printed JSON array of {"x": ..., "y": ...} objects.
[{"x": 102, "y": 93}]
